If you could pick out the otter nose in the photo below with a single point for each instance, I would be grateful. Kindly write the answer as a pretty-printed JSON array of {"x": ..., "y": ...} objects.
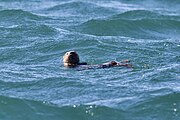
[{"x": 73, "y": 52}]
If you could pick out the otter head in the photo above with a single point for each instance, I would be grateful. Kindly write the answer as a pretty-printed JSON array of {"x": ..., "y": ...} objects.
[{"x": 71, "y": 59}]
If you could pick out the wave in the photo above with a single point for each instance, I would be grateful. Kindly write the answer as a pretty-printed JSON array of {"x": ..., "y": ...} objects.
[
  {"x": 121, "y": 25},
  {"x": 144, "y": 109},
  {"x": 167, "y": 2},
  {"x": 15, "y": 42},
  {"x": 18, "y": 14},
  {"x": 29, "y": 30},
  {"x": 143, "y": 14},
  {"x": 16, "y": 108},
  {"x": 84, "y": 8},
  {"x": 154, "y": 2},
  {"x": 162, "y": 107},
  {"x": 11, "y": 107}
]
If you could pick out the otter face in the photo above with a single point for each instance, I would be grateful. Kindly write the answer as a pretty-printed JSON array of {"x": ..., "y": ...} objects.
[{"x": 71, "y": 59}]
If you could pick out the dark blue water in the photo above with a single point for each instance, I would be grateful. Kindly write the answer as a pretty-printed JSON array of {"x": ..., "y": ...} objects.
[{"x": 35, "y": 34}]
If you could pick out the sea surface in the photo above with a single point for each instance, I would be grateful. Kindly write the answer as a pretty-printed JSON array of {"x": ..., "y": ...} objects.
[{"x": 35, "y": 34}]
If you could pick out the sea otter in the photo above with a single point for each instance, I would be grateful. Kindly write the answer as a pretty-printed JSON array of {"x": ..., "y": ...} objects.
[{"x": 71, "y": 59}]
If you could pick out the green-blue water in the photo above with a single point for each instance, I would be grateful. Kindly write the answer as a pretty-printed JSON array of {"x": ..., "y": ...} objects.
[{"x": 35, "y": 34}]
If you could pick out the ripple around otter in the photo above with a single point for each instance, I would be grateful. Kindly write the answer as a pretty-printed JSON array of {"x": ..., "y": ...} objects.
[{"x": 36, "y": 34}]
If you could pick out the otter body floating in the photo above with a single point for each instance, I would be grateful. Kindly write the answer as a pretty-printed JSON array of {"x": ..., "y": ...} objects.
[{"x": 71, "y": 59}]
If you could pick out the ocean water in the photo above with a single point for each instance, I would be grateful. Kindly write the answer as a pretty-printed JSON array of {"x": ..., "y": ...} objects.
[{"x": 35, "y": 34}]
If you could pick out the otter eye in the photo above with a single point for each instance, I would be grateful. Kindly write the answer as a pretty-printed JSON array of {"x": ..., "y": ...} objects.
[{"x": 67, "y": 53}]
